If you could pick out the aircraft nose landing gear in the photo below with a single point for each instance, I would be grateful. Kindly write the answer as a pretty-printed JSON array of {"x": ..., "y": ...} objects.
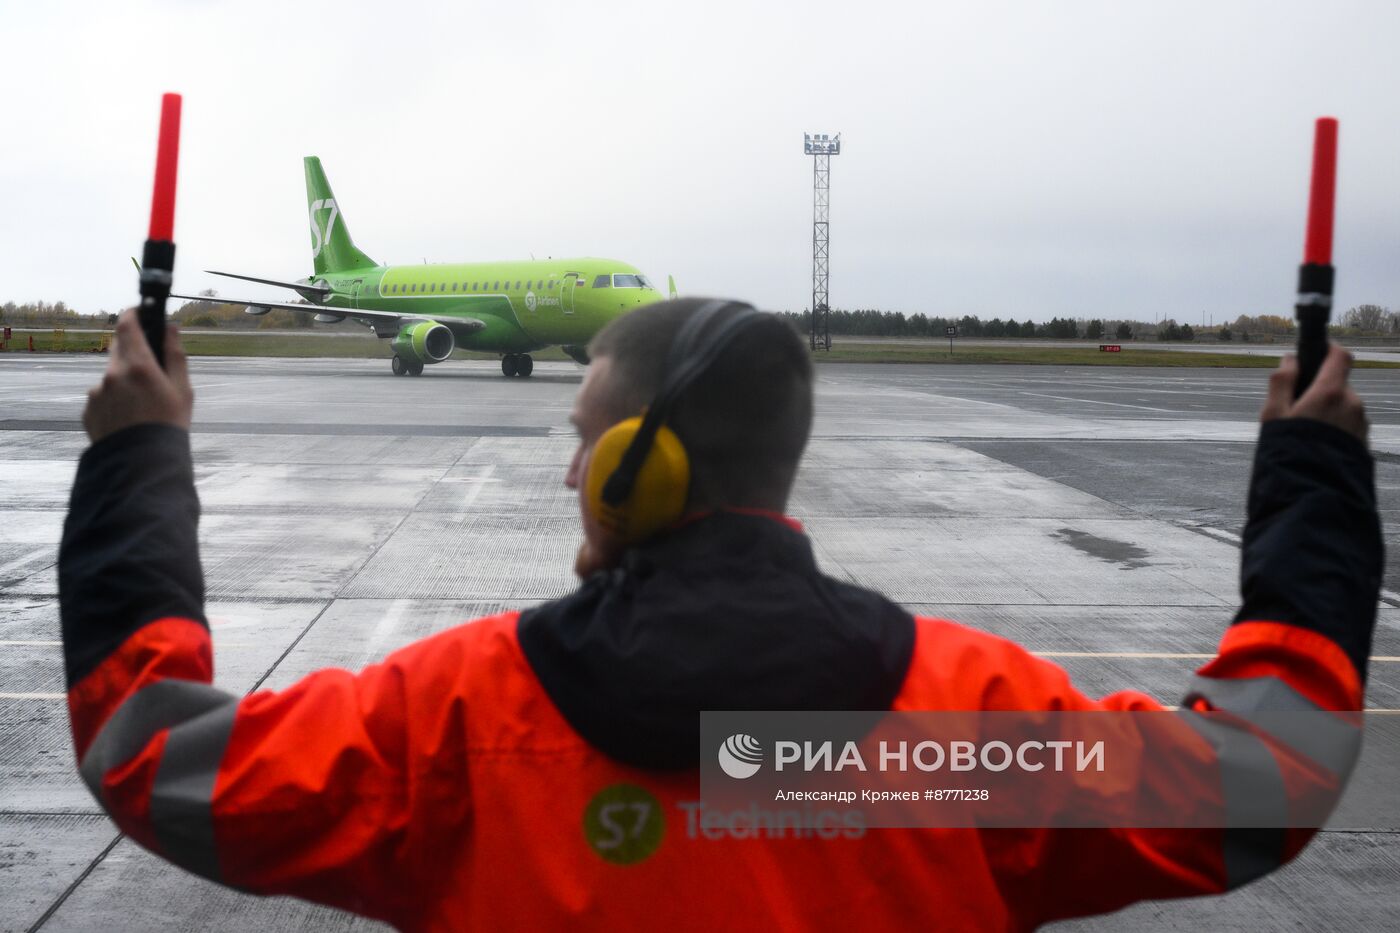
[{"x": 517, "y": 364}]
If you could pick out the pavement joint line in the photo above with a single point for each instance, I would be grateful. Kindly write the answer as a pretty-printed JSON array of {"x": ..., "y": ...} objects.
[
  {"x": 53, "y": 908},
  {"x": 446, "y": 471},
  {"x": 68, "y": 892}
]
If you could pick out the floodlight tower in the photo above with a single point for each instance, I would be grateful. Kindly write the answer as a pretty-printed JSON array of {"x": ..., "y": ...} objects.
[{"x": 821, "y": 148}]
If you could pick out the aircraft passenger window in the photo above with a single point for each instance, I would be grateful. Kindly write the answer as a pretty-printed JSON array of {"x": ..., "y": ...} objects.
[
  {"x": 474, "y": 284},
  {"x": 530, "y": 285},
  {"x": 497, "y": 288},
  {"x": 626, "y": 281},
  {"x": 602, "y": 281},
  {"x": 413, "y": 288}
]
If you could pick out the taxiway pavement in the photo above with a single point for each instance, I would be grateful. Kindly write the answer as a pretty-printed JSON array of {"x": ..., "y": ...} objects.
[{"x": 1092, "y": 515}]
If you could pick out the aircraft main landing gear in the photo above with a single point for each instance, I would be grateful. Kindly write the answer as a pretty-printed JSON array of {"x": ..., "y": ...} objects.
[
  {"x": 403, "y": 367},
  {"x": 517, "y": 364}
]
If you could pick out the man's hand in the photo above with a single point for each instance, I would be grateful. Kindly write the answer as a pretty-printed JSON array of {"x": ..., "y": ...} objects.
[
  {"x": 135, "y": 390},
  {"x": 1329, "y": 399}
]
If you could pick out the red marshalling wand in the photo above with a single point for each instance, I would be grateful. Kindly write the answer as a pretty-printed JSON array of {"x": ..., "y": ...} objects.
[
  {"x": 1316, "y": 275},
  {"x": 158, "y": 257}
]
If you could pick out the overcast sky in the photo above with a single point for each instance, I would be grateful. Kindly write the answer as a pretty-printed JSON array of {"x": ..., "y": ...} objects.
[{"x": 1031, "y": 159}]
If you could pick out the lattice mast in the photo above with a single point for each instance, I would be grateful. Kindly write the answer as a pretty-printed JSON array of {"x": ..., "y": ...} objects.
[{"x": 821, "y": 148}]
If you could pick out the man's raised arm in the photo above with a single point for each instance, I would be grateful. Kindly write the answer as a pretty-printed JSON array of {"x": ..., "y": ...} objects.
[
  {"x": 1275, "y": 711},
  {"x": 293, "y": 792}
]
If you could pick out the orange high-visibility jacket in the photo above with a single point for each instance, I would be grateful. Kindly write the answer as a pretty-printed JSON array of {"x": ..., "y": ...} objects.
[{"x": 537, "y": 770}]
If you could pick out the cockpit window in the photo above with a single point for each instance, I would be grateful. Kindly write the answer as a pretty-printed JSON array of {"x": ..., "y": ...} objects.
[
  {"x": 602, "y": 281},
  {"x": 627, "y": 281}
]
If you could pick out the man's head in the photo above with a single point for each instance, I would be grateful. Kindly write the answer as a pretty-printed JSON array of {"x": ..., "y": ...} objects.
[{"x": 744, "y": 421}]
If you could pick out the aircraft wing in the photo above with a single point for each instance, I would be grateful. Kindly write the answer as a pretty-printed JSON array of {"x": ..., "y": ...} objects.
[
  {"x": 307, "y": 291},
  {"x": 376, "y": 319}
]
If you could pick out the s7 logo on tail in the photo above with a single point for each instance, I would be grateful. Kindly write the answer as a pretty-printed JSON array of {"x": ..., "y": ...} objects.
[{"x": 321, "y": 236}]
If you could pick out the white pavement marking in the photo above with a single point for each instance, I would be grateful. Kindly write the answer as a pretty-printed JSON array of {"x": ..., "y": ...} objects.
[
  {"x": 64, "y": 696},
  {"x": 475, "y": 484},
  {"x": 79, "y": 398},
  {"x": 30, "y": 644},
  {"x": 1090, "y": 401},
  {"x": 388, "y": 623},
  {"x": 1383, "y": 658}
]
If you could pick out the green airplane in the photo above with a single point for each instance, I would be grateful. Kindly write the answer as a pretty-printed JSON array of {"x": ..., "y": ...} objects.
[{"x": 511, "y": 308}]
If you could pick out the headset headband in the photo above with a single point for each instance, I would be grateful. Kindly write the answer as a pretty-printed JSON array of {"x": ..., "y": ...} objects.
[{"x": 692, "y": 352}]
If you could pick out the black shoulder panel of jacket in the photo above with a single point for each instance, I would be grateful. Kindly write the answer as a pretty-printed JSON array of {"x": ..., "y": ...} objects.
[
  {"x": 130, "y": 551},
  {"x": 1313, "y": 554},
  {"x": 726, "y": 613}
]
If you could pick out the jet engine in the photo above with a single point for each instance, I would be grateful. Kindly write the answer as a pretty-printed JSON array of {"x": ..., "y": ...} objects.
[{"x": 424, "y": 342}]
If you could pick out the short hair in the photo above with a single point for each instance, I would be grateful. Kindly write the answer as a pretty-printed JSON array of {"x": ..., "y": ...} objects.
[{"x": 744, "y": 421}]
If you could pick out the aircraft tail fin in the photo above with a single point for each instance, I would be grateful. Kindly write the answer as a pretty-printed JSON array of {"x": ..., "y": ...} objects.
[
  {"x": 332, "y": 250},
  {"x": 671, "y": 286}
]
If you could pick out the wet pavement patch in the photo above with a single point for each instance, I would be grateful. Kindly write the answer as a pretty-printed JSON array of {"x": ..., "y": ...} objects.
[{"x": 1106, "y": 549}]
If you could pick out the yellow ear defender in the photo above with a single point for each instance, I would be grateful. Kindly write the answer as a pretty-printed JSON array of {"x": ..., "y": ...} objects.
[
  {"x": 638, "y": 478},
  {"x": 658, "y": 492}
]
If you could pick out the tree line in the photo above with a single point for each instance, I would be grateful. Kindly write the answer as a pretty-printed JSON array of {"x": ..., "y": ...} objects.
[
  {"x": 1367, "y": 320},
  {"x": 1360, "y": 321}
]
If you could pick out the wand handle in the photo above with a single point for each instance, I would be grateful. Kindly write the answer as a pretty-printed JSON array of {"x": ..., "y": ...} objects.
[
  {"x": 1316, "y": 275},
  {"x": 158, "y": 257}
]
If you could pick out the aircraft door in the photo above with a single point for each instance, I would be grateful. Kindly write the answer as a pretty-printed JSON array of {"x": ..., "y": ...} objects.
[
  {"x": 355, "y": 293},
  {"x": 566, "y": 292}
]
